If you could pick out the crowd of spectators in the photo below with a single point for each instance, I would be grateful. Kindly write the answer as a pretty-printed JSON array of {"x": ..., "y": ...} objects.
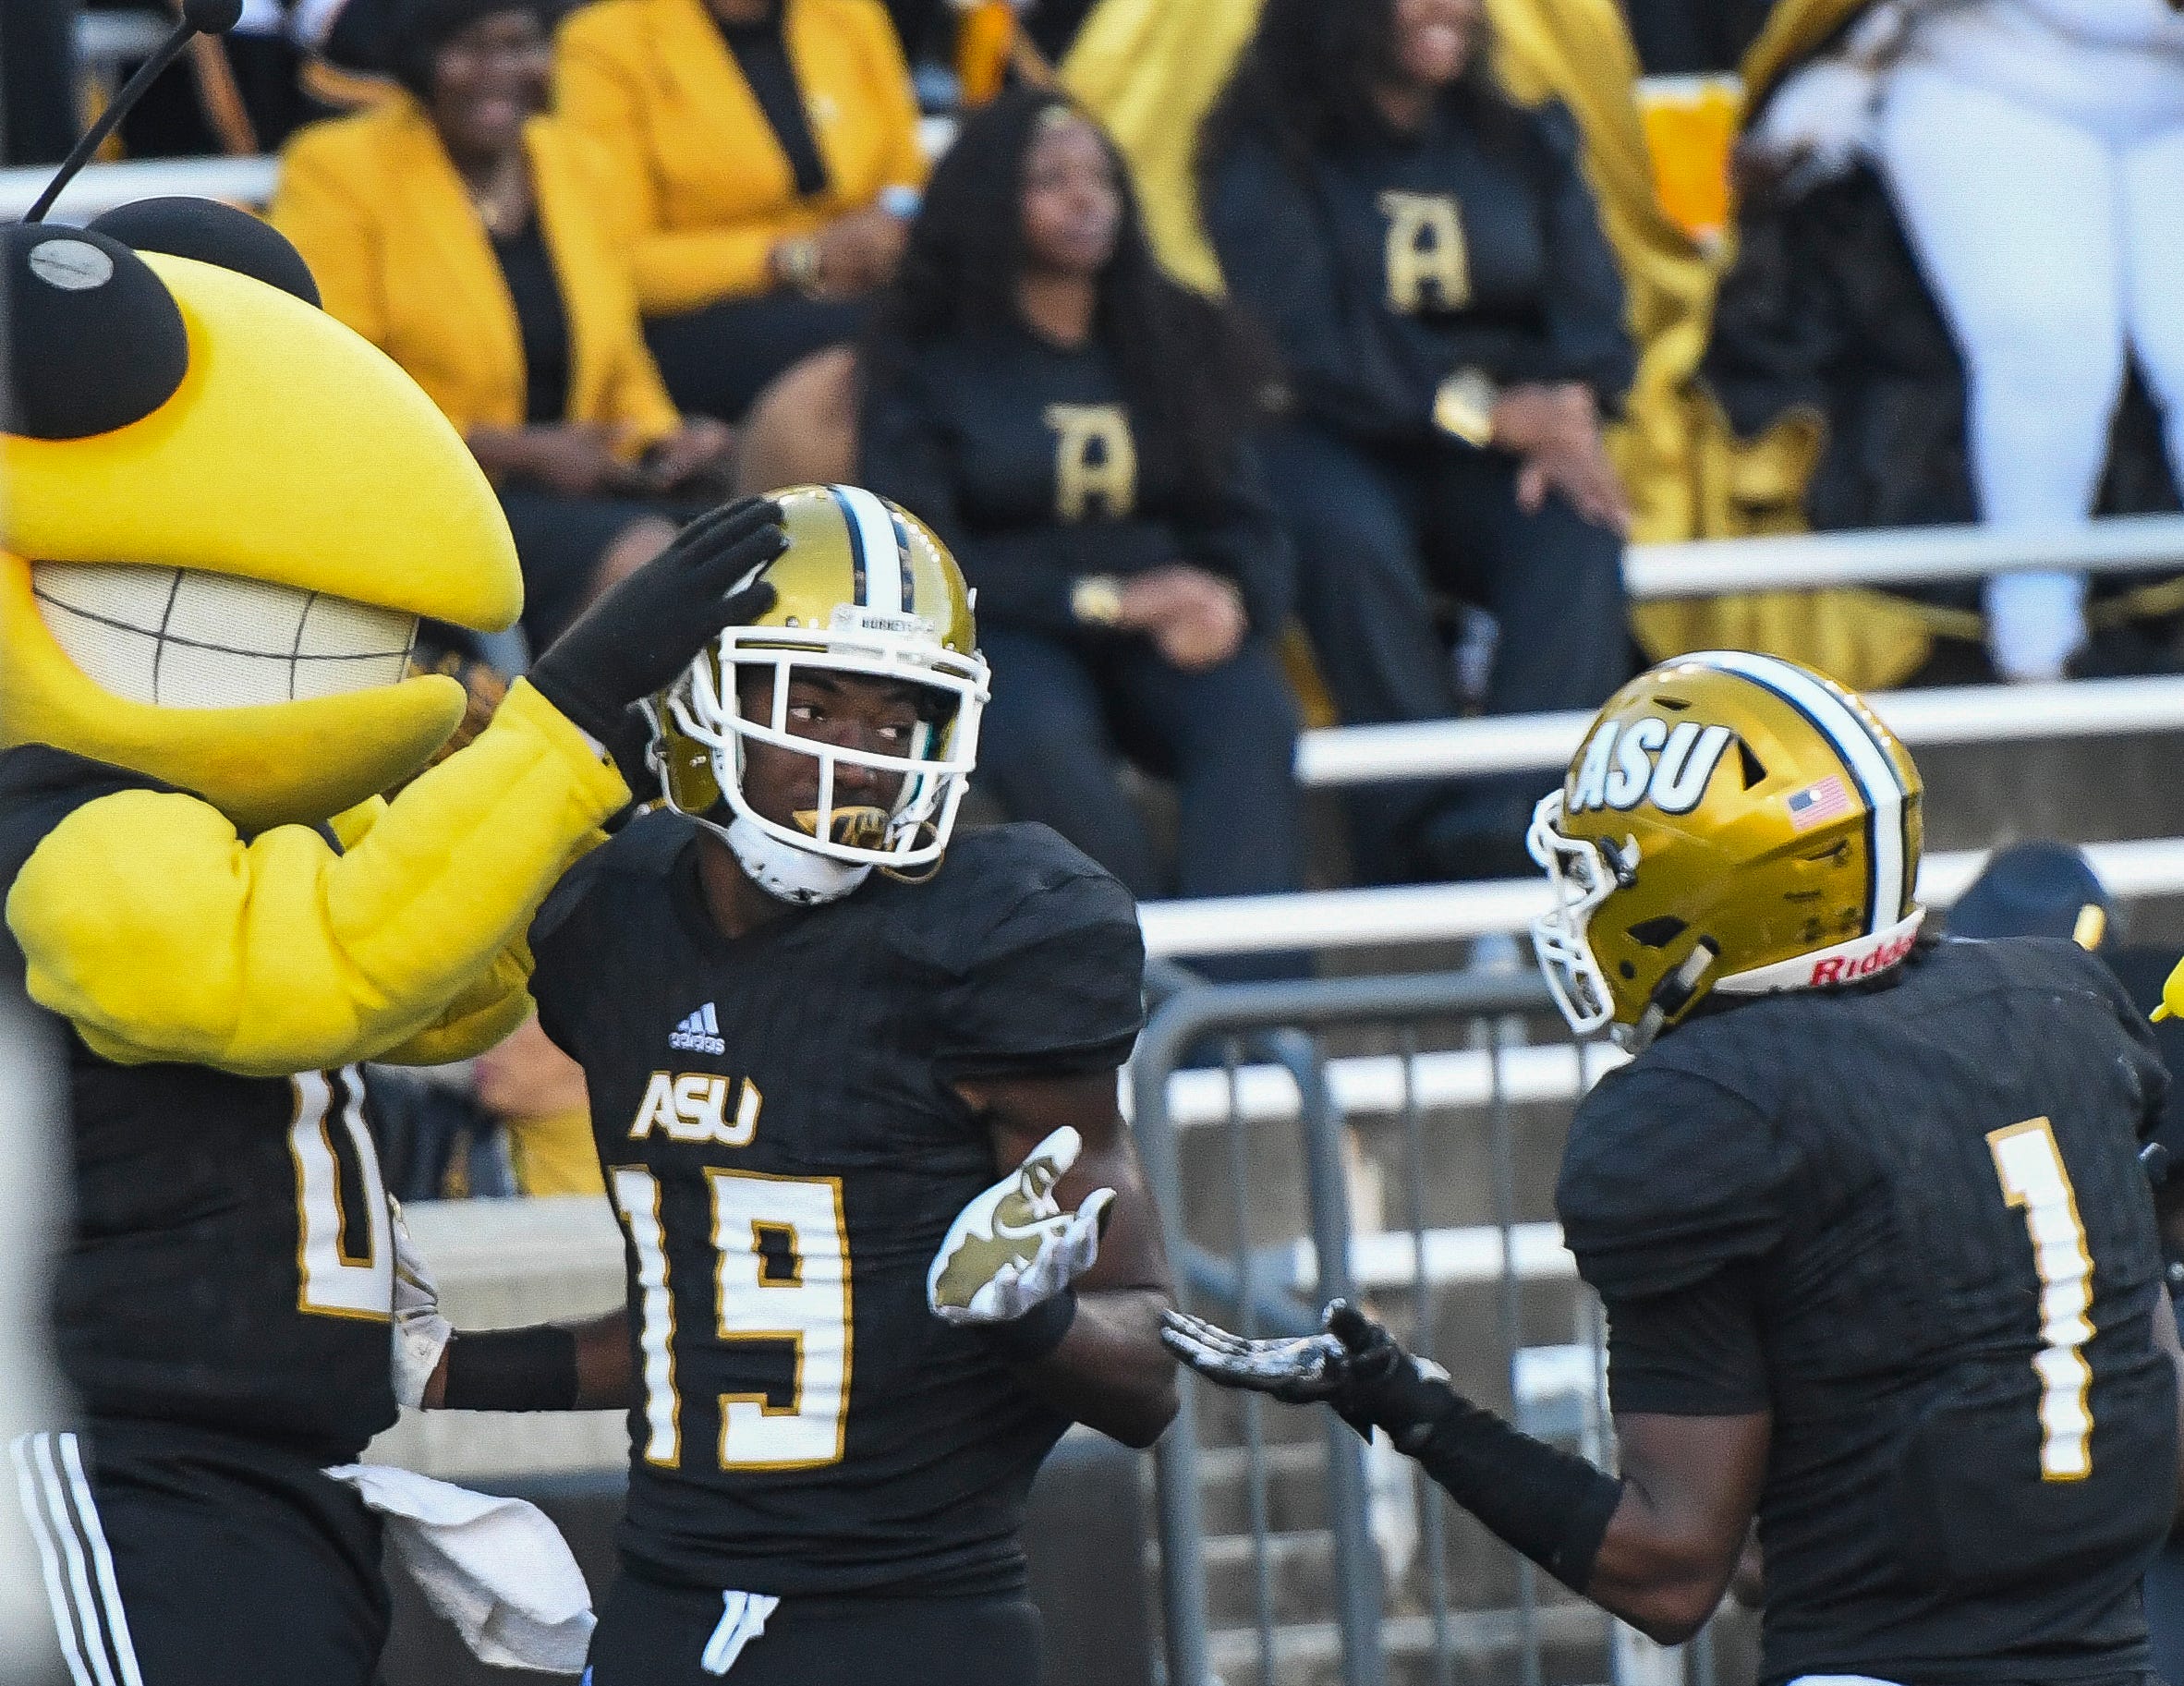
[
  {"x": 478, "y": 242},
  {"x": 643, "y": 251}
]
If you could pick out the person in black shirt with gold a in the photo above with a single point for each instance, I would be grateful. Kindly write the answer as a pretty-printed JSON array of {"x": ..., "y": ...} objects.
[
  {"x": 1429, "y": 262},
  {"x": 1071, "y": 423}
]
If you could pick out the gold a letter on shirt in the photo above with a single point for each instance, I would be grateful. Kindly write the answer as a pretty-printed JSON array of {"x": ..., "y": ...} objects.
[
  {"x": 1095, "y": 456},
  {"x": 1426, "y": 249}
]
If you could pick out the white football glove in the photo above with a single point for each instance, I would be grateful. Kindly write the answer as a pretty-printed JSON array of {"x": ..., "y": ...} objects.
[
  {"x": 1014, "y": 1247},
  {"x": 420, "y": 1332}
]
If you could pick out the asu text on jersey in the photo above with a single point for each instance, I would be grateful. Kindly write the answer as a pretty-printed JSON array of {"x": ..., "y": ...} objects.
[{"x": 806, "y": 1426}]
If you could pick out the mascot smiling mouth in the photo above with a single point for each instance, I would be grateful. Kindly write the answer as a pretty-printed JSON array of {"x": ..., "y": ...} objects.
[{"x": 185, "y": 639}]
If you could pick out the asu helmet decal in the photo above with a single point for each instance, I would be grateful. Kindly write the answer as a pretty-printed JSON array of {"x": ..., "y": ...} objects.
[{"x": 1732, "y": 822}]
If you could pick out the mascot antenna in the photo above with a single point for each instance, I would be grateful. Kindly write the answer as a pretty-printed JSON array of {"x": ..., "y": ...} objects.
[{"x": 199, "y": 18}]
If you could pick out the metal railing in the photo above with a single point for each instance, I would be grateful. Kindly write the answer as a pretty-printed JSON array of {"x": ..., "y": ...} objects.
[
  {"x": 242, "y": 181},
  {"x": 1333, "y": 757},
  {"x": 1901, "y": 556},
  {"x": 1226, "y": 1203},
  {"x": 1395, "y": 916},
  {"x": 105, "y": 39}
]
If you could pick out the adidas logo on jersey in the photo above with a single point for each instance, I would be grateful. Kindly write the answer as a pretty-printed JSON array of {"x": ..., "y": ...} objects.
[{"x": 699, "y": 1034}]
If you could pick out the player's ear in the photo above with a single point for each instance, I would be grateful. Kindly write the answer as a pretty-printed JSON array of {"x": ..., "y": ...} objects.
[{"x": 95, "y": 340}]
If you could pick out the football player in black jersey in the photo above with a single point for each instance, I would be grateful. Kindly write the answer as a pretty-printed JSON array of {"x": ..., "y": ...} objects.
[
  {"x": 1865, "y": 1210},
  {"x": 815, "y": 1036}
]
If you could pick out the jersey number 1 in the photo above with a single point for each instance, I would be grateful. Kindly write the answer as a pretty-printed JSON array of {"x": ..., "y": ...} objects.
[
  {"x": 780, "y": 1275},
  {"x": 2034, "y": 1178}
]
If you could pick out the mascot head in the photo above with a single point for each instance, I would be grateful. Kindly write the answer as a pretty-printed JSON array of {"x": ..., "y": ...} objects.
[{"x": 221, "y": 515}]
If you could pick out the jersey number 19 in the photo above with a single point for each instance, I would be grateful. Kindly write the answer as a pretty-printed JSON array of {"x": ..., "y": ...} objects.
[{"x": 781, "y": 1275}]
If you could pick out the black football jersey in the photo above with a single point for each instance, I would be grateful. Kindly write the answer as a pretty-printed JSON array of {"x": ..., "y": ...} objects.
[
  {"x": 231, "y": 1265},
  {"x": 784, "y": 1149},
  {"x": 1930, "y": 1192}
]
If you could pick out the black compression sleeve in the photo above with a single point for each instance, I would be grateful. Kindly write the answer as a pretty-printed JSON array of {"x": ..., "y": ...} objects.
[
  {"x": 1552, "y": 1507},
  {"x": 512, "y": 1369}
]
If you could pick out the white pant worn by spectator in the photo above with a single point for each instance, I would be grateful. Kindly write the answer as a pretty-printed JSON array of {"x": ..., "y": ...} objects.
[{"x": 2035, "y": 149}]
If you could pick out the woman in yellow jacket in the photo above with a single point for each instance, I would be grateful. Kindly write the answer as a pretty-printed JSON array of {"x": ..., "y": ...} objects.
[
  {"x": 479, "y": 245},
  {"x": 768, "y": 150}
]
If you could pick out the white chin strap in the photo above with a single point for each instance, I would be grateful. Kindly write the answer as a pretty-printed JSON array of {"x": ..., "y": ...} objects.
[{"x": 785, "y": 871}]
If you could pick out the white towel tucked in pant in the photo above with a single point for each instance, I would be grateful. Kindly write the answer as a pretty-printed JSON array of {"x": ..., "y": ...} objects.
[{"x": 496, "y": 1568}]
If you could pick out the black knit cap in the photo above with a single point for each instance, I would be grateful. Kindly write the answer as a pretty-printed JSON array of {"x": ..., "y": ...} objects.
[{"x": 2035, "y": 890}]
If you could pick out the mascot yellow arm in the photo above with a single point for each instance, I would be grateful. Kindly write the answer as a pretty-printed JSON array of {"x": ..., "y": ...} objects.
[
  {"x": 491, "y": 1006},
  {"x": 480, "y": 1017},
  {"x": 493, "y": 1003},
  {"x": 150, "y": 924}
]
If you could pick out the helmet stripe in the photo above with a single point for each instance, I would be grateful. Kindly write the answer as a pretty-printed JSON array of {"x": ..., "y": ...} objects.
[
  {"x": 1870, "y": 767},
  {"x": 895, "y": 517},
  {"x": 856, "y": 544},
  {"x": 873, "y": 545}
]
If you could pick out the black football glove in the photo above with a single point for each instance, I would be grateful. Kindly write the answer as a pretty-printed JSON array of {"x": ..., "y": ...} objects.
[
  {"x": 636, "y": 639},
  {"x": 1354, "y": 1366}
]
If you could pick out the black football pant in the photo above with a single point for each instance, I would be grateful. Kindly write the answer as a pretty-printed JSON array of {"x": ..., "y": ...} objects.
[
  {"x": 176, "y": 1557},
  {"x": 655, "y": 1635},
  {"x": 1380, "y": 533}
]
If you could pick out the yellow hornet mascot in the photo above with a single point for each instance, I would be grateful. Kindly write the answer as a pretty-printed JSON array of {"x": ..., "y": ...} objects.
[{"x": 225, "y": 514}]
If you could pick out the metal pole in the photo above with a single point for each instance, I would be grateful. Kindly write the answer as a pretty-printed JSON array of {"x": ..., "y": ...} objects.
[
  {"x": 1432, "y": 1504},
  {"x": 1511, "y": 1319},
  {"x": 1358, "y": 1601},
  {"x": 1175, "y": 1458},
  {"x": 1255, "y": 1439}
]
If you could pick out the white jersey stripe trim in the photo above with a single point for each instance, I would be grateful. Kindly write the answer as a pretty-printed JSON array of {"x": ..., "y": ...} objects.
[
  {"x": 94, "y": 1532},
  {"x": 1870, "y": 766},
  {"x": 63, "y": 1615},
  {"x": 882, "y": 547}
]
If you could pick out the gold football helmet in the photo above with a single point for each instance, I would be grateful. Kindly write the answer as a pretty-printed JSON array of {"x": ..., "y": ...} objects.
[
  {"x": 863, "y": 587},
  {"x": 1734, "y": 822}
]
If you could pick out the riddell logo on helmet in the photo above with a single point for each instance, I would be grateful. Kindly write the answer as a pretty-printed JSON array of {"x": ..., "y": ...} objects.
[
  {"x": 852, "y": 617},
  {"x": 1848, "y": 968}
]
